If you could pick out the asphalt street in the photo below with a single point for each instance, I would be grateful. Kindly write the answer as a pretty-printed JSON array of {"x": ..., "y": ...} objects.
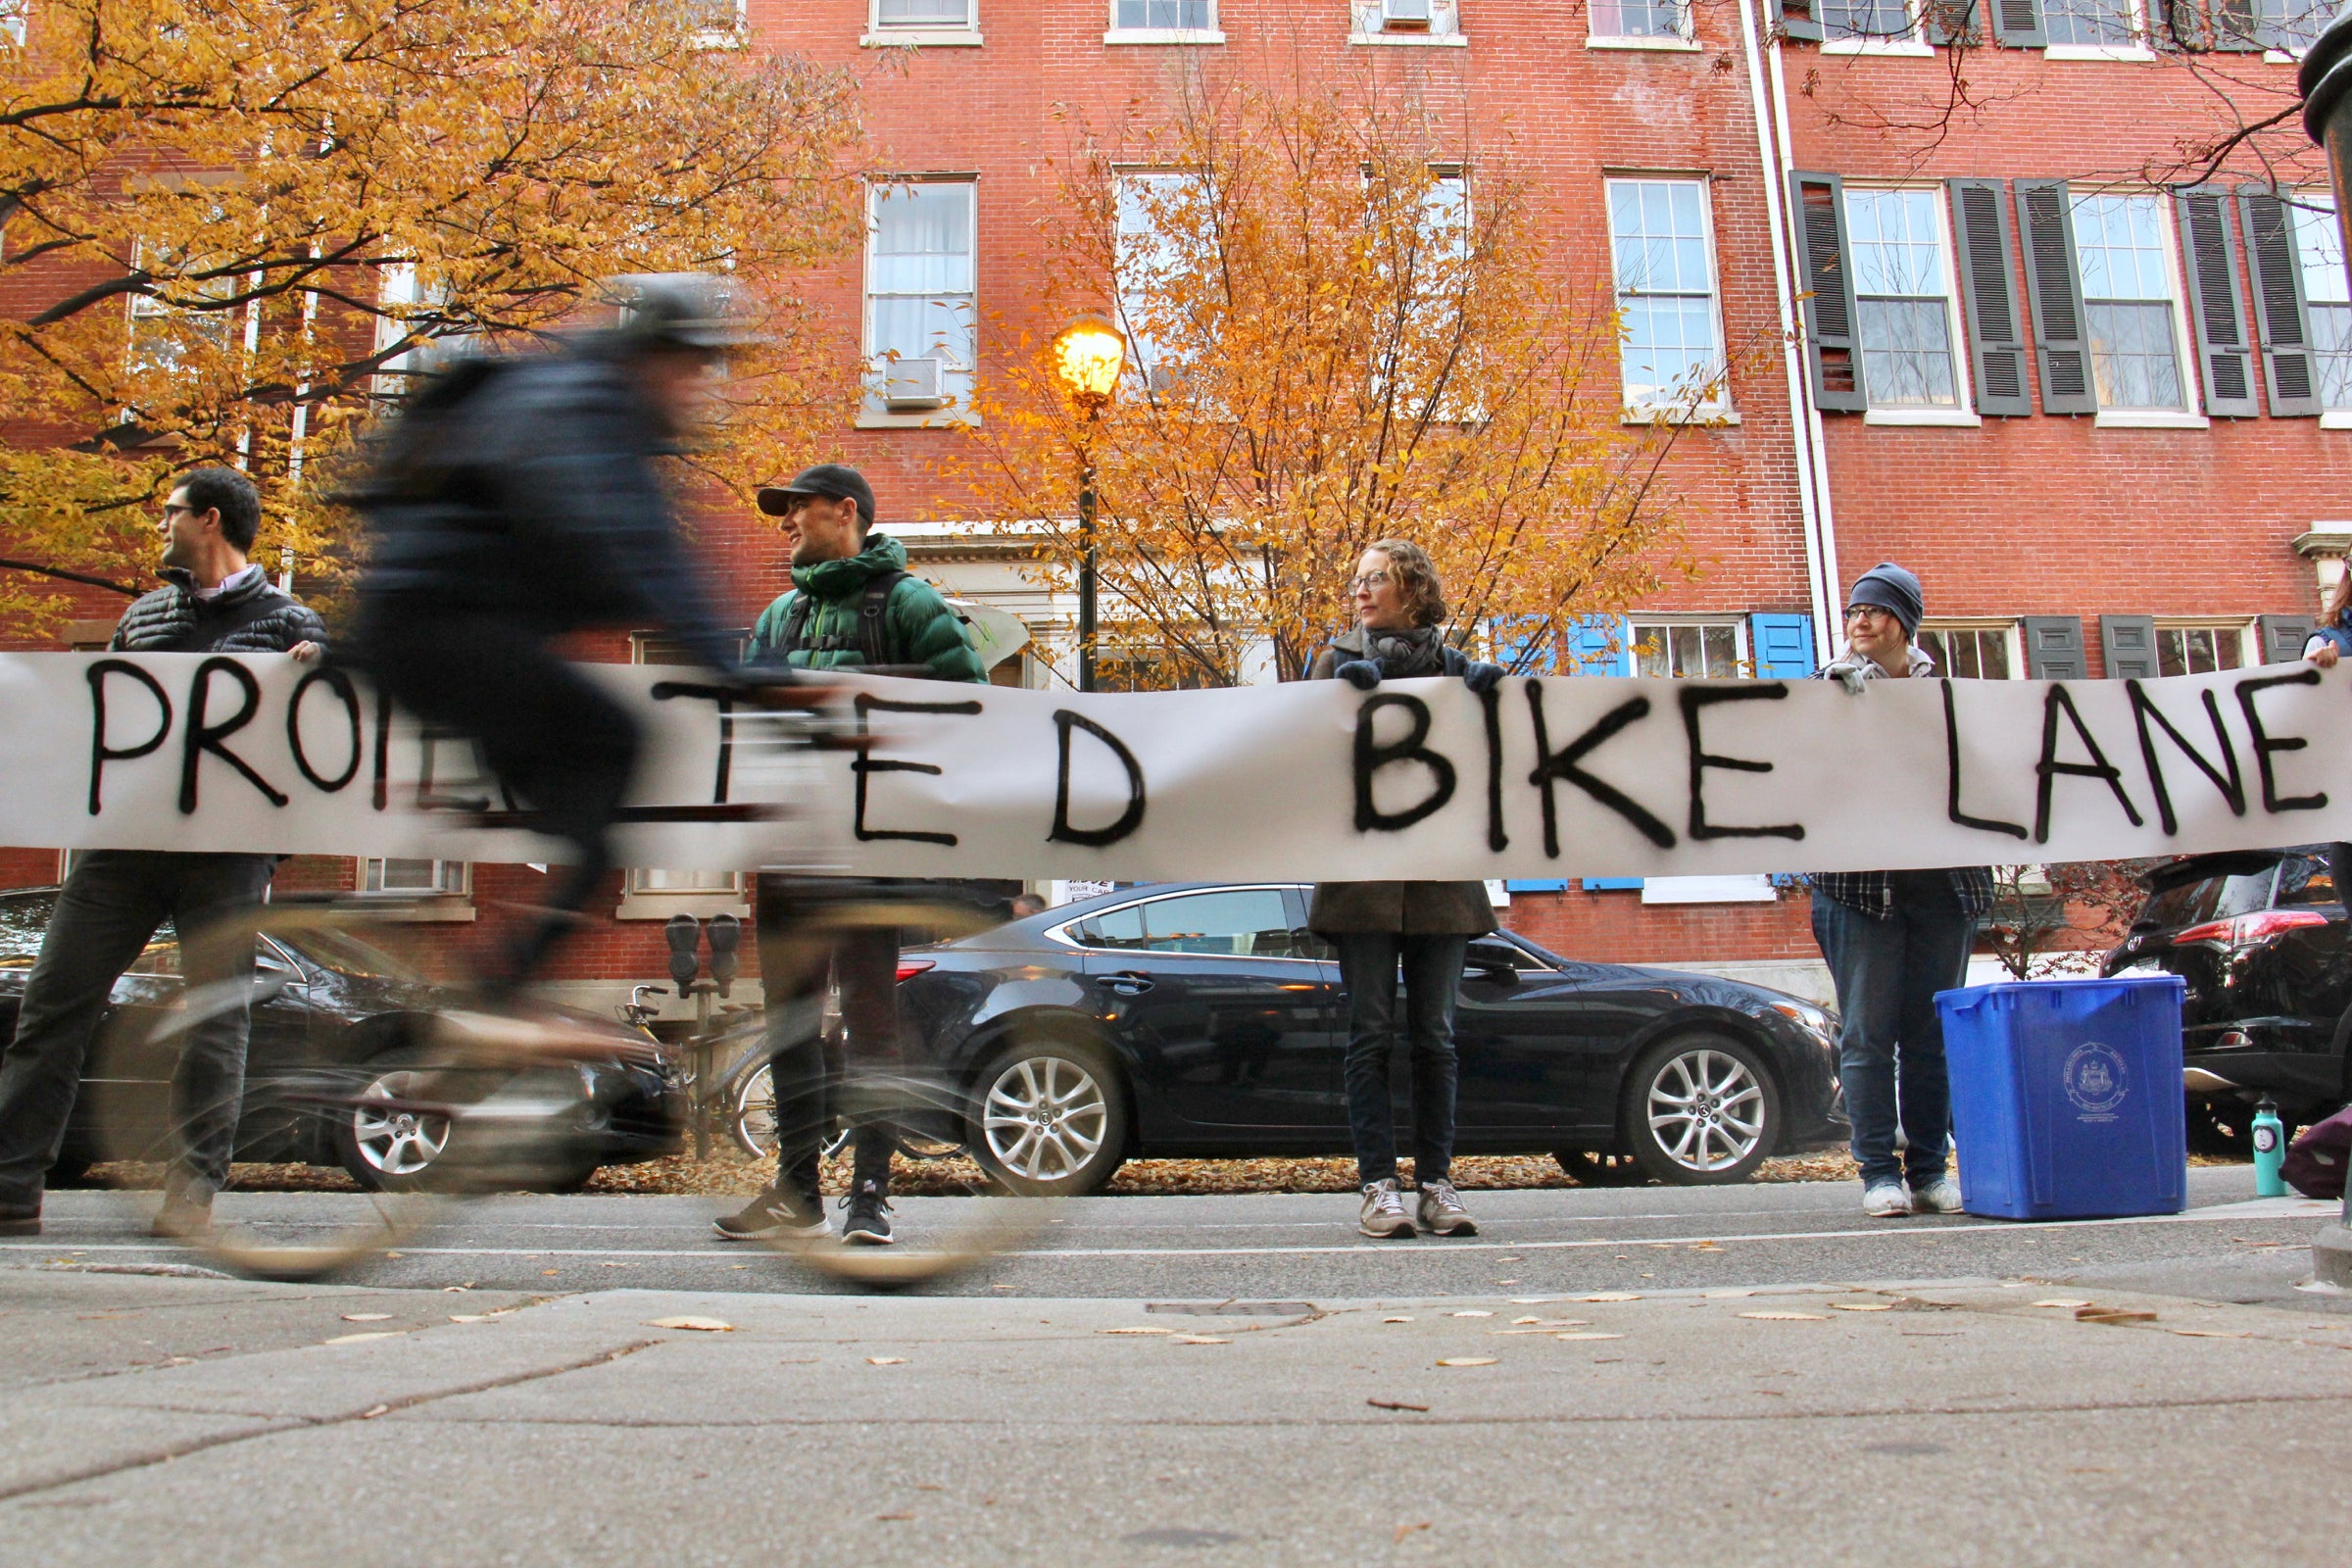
[{"x": 1747, "y": 1375}]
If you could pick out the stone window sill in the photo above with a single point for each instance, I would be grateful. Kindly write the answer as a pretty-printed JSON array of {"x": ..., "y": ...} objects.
[
  {"x": 2148, "y": 420},
  {"x": 917, "y": 420},
  {"x": 1164, "y": 35},
  {"x": 455, "y": 909},
  {"x": 1954, "y": 418},
  {"x": 1694, "y": 418},
  {"x": 2336, "y": 419},
  {"x": 2097, "y": 51},
  {"x": 1911, "y": 48},
  {"x": 1683, "y": 46},
  {"x": 921, "y": 38},
  {"x": 1412, "y": 41},
  {"x": 661, "y": 905}
]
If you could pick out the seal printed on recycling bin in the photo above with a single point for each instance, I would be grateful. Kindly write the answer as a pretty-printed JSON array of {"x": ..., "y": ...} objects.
[{"x": 2095, "y": 1080}]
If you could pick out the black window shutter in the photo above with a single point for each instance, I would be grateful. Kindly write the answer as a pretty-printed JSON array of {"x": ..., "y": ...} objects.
[
  {"x": 1946, "y": 22},
  {"x": 2128, "y": 646},
  {"x": 2282, "y": 637},
  {"x": 2018, "y": 24},
  {"x": 1794, "y": 18},
  {"x": 2224, "y": 346},
  {"x": 2048, "y": 222},
  {"x": 2053, "y": 646},
  {"x": 1819, "y": 204},
  {"x": 1997, "y": 338},
  {"x": 2279, "y": 302}
]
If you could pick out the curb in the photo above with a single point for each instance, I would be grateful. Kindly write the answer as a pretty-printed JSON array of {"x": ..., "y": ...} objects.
[{"x": 2331, "y": 1254}]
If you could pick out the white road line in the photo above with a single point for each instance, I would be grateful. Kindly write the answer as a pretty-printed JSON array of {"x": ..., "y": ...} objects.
[{"x": 2258, "y": 1209}]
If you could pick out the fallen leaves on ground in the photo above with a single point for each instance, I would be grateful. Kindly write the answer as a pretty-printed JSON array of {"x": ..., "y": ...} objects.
[
  {"x": 885, "y": 1360},
  {"x": 1466, "y": 1360},
  {"x": 1786, "y": 1317},
  {"x": 355, "y": 1339},
  {"x": 697, "y": 1325},
  {"x": 1395, "y": 1404},
  {"x": 367, "y": 1317}
]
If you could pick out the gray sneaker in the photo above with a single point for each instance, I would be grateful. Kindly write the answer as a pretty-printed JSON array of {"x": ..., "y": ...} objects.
[
  {"x": 1939, "y": 1196},
  {"x": 1384, "y": 1214},
  {"x": 1441, "y": 1211},
  {"x": 1886, "y": 1200}
]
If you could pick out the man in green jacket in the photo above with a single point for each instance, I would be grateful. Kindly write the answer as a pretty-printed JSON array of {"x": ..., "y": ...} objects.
[{"x": 852, "y": 604}]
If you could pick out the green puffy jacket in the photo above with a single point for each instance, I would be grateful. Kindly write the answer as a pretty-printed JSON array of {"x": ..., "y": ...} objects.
[{"x": 918, "y": 626}]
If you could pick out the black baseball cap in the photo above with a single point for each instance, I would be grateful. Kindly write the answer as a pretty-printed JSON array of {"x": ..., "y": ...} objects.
[{"x": 834, "y": 481}]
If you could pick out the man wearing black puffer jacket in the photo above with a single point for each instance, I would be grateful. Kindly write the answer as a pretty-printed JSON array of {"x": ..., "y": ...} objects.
[{"x": 115, "y": 900}]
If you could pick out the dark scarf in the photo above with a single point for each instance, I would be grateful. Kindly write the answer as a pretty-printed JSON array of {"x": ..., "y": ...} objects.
[{"x": 1401, "y": 655}]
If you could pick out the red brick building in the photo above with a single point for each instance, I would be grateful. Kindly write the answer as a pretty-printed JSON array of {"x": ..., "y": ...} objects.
[{"x": 2100, "y": 411}]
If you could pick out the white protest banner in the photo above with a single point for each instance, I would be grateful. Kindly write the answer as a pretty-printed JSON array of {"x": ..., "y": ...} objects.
[{"x": 1315, "y": 780}]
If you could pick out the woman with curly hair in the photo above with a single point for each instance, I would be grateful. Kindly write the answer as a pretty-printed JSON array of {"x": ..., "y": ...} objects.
[{"x": 1422, "y": 929}]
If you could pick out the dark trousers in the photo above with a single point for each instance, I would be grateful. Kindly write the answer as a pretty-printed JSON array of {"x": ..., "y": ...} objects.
[
  {"x": 1432, "y": 971},
  {"x": 793, "y": 973},
  {"x": 552, "y": 737},
  {"x": 112, "y": 905},
  {"x": 1891, "y": 1038}
]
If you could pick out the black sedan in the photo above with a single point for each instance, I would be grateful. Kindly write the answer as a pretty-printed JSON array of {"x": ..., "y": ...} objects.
[
  {"x": 335, "y": 1020},
  {"x": 2259, "y": 938},
  {"x": 1206, "y": 1020}
]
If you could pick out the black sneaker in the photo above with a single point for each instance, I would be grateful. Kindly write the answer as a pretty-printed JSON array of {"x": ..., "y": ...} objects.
[
  {"x": 869, "y": 1216},
  {"x": 777, "y": 1213},
  {"x": 15, "y": 1221}
]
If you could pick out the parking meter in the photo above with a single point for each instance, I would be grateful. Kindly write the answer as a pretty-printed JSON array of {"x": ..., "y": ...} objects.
[
  {"x": 683, "y": 933},
  {"x": 727, "y": 940}
]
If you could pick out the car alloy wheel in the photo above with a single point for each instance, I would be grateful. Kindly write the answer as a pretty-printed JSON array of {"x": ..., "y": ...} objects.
[
  {"x": 394, "y": 1145},
  {"x": 1045, "y": 1117},
  {"x": 1702, "y": 1110}
]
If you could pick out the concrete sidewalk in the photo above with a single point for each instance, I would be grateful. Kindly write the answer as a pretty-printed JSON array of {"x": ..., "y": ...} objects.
[{"x": 157, "y": 1420}]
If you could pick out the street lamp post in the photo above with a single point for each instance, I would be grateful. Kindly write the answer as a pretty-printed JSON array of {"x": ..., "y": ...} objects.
[{"x": 1089, "y": 356}]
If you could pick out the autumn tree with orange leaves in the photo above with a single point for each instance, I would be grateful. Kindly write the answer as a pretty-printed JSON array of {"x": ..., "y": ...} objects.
[
  {"x": 231, "y": 227},
  {"x": 1344, "y": 326}
]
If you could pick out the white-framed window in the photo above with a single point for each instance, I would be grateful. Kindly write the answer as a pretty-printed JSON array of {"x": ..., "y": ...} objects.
[
  {"x": 2326, "y": 294},
  {"x": 2194, "y": 648},
  {"x": 413, "y": 878},
  {"x": 1978, "y": 650},
  {"x": 1148, "y": 260},
  {"x": 2284, "y": 27},
  {"x": 12, "y": 14},
  {"x": 719, "y": 23},
  {"x": 1860, "y": 27},
  {"x": 1648, "y": 23},
  {"x": 1405, "y": 21},
  {"x": 161, "y": 332},
  {"x": 659, "y": 648},
  {"x": 2094, "y": 29},
  {"x": 1163, "y": 22},
  {"x": 1662, "y": 251},
  {"x": 919, "y": 295},
  {"x": 2131, "y": 317},
  {"x": 952, "y": 16},
  {"x": 1688, "y": 647},
  {"x": 1906, "y": 308},
  {"x": 653, "y": 879}
]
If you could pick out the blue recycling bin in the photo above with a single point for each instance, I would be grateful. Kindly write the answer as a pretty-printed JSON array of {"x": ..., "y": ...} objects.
[{"x": 2066, "y": 1097}]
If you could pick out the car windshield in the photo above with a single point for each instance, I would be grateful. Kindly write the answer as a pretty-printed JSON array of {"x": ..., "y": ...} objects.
[{"x": 346, "y": 953}]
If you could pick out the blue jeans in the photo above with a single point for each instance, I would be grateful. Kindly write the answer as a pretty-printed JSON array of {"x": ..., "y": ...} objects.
[
  {"x": 1432, "y": 971},
  {"x": 111, "y": 907},
  {"x": 1891, "y": 1041}
]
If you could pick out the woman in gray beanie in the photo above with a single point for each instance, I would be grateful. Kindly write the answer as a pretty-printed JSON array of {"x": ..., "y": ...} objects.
[{"x": 1893, "y": 940}]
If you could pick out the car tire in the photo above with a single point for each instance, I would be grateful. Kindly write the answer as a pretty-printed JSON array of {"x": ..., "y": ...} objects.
[
  {"x": 1050, "y": 1119},
  {"x": 1601, "y": 1167},
  {"x": 1700, "y": 1111},
  {"x": 387, "y": 1153}
]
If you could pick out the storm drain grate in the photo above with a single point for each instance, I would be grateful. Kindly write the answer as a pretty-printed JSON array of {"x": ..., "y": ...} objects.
[{"x": 1233, "y": 1308}]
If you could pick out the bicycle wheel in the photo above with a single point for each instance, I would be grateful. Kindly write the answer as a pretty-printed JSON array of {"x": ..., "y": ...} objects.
[
  {"x": 950, "y": 1213},
  {"x": 416, "y": 1100}
]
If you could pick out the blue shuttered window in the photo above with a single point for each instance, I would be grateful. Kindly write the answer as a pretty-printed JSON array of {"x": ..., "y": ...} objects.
[
  {"x": 1610, "y": 883},
  {"x": 1783, "y": 645},
  {"x": 1597, "y": 644}
]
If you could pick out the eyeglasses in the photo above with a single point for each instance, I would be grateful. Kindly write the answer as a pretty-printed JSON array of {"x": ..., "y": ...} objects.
[
  {"x": 174, "y": 508},
  {"x": 1370, "y": 582},
  {"x": 1866, "y": 611}
]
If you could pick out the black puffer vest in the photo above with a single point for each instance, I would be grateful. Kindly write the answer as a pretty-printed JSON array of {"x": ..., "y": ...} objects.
[{"x": 252, "y": 617}]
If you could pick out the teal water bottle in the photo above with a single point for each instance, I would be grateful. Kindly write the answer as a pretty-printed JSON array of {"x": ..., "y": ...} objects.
[{"x": 2270, "y": 1151}]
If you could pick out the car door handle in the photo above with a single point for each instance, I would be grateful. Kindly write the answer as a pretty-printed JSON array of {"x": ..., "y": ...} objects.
[{"x": 1127, "y": 983}]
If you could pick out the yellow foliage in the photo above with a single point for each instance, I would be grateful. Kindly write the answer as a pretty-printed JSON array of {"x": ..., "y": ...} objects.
[
  {"x": 1343, "y": 324},
  {"x": 225, "y": 220}
]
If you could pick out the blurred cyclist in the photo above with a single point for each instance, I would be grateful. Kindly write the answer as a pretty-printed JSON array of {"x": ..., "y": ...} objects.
[{"x": 514, "y": 500}]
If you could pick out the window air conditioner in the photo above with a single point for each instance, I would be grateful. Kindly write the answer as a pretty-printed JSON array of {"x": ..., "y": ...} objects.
[
  {"x": 911, "y": 385},
  {"x": 1405, "y": 16}
]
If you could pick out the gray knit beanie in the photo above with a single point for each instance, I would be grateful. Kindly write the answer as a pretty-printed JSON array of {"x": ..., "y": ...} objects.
[{"x": 1890, "y": 588}]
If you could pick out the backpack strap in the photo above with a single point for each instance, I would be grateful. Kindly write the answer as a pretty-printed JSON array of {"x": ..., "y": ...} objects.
[{"x": 874, "y": 629}]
